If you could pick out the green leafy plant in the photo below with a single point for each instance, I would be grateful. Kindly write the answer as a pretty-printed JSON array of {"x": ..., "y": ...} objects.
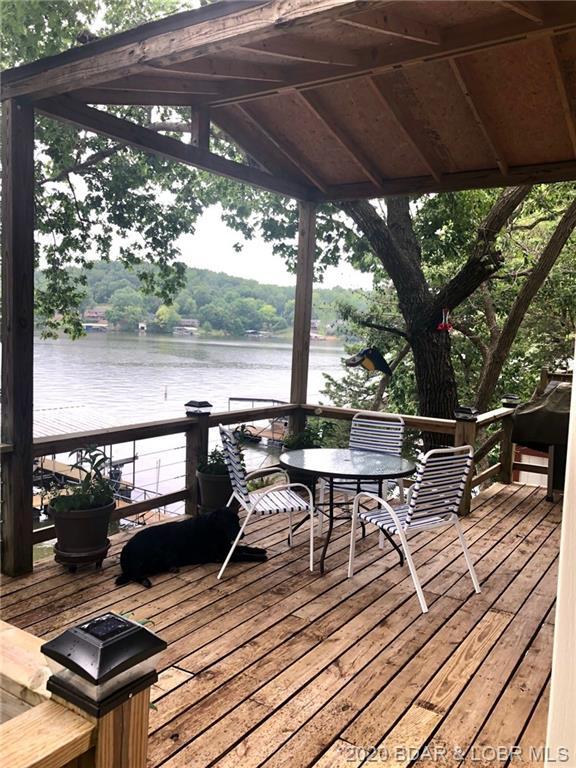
[
  {"x": 314, "y": 435},
  {"x": 214, "y": 463},
  {"x": 93, "y": 491}
]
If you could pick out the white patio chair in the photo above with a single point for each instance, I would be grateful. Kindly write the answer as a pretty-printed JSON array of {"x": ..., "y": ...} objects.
[
  {"x": 279, "y": 498},
  {"x": 433, "y": 501},
  {"x": 369, "y": 434}
]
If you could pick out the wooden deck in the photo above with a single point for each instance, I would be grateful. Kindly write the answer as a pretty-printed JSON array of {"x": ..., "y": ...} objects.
[{"x": 275, "y": 666}]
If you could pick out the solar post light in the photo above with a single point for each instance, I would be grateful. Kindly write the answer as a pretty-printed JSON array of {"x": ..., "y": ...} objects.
[
  {"x": 103, "y": 662},
  {"x": 465, "y": 413},
  {"x": 510, "y": 401},
  {"x": 194, "y": 407}
]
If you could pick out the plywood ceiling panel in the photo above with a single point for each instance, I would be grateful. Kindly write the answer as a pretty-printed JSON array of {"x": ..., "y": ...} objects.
[{"x": 516, "y": 87}]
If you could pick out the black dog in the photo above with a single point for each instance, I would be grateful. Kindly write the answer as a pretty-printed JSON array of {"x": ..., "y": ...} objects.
[{"x": 167, "y": 547}]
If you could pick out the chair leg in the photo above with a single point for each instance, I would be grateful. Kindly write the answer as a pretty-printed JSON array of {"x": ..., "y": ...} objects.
[
  {"x": 312, "y": 538},
  {"x": 381, "y": 540},
  {"x": 352, "y": 540},
  {"x": 467, "y": 555},
  {"x": 235, "y": 544},
  {"x": 321, "y": 507},
  {"x": 413, "y": 573},
  {"x": 290, "y": 533}
]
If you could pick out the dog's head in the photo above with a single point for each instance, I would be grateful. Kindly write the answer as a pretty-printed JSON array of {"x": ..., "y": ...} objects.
[{"x": 226, "y": 521}]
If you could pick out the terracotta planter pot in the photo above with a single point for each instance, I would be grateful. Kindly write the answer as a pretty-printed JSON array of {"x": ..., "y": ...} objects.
[
  {"x": 215, "y": 490},
  {"x": 82, "y": 535}
]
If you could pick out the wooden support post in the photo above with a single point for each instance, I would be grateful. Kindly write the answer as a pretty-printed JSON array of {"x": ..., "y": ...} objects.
[
  {"x": 506, "y": 451},
  {"x": 465, "y": 434},
  {"x": 196, "y": 450},
  {"x": 122, "y": 735},
  {"x": 561, "y": 734},
  {"x": 17, "y": 333},
  {"x": 303, "y": 309},
  {"x": 200, "y": 128}
]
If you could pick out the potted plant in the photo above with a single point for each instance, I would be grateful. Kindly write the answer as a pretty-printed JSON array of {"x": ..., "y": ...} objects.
[
  {"x": 309, "y": 437},
  {"x": 81, "y": 513},
  {"x": 214, "y": 482}
]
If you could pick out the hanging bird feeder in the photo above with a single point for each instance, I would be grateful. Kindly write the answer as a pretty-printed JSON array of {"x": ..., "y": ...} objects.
[{"x": 370, "y": 359}]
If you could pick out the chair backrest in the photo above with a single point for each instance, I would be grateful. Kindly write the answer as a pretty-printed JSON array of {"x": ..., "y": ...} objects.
[
  {"x": 381, "y": 435},
  {"x": 235, "y": 464},
  {"x": 440, "y": 482}
]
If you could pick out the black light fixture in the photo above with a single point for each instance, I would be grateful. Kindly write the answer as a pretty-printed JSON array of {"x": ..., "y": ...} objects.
[
  {"x": 194, "y": 407},
  {"x": 465, "y": 413},
  {"x": 510, "y": 401},
  {"x": 103, "y": 662}
]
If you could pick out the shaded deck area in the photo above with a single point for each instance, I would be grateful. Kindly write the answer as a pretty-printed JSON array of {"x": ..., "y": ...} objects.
[{"x": 275, "y": 666}]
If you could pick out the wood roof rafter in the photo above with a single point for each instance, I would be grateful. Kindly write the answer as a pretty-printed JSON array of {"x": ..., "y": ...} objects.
[
  {"x": 409, "y": 126},
  {"x": 564, "y": 91},
  {"x": 527, "y": 10},
  {"x": 455, "y": 42},
  {"x": 71, "y": 111},
  {"x": 286, "y": 148},
  {"x": 346, "y": 141},
  {"x": 480, "y": 115},
  {"x": 395, "y": 25}
]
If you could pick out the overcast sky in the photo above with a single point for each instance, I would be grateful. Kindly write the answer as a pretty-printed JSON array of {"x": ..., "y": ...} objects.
[{"x": 212, "y": 247}]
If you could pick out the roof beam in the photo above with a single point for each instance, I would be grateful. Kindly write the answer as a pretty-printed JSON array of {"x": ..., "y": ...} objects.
[
  {"x": 529, "y": 10},
  {"x": 386, "y": 93},
  {"x": 68, "y": 110},
  {"x": 488, "y": 178},
  {"x": 200, "y": 128},
  {"x": 134, "y": 98},
  {"x": 297, "y": 49},
  {"x": 393, "y": 25},
  {"x": 347, "y": 142},
  {"x": 225, "y": 69},
  {"x": 480, "y": 116},
  {"x": 161, "y": 84},
  {"x": 201, "y": 39},
  {"x": 564, "y": 91},
  {"x": 286, "y": 147},
  {"x": 456, "y": 41}
]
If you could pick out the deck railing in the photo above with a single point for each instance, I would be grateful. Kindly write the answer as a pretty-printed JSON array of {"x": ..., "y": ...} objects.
[{"x": 480, "y": 433}]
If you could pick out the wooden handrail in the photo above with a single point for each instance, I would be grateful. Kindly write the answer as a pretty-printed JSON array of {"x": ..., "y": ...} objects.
[
  {"x": 484, "y": 419},
  {"x": 6, "y": 448},
  {"x": 425, "y": 423},
  {"x": 538, "y": 469},
  {"x": 486, "y": 474},
  {"x": 44, "y": 446}
]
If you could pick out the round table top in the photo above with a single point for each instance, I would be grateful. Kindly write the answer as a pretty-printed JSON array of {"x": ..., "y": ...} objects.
[{"x": 346, "y": 462}]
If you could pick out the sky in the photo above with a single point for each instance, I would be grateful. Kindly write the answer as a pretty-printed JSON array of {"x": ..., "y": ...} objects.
[{"x": 212, "y": 247}]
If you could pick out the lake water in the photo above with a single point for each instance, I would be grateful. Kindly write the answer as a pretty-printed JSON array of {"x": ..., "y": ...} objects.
[{"x": 119, "y": 379}]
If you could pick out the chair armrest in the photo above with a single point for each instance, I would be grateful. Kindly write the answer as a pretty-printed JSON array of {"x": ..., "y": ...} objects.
[{"x": 274, "y": 470}]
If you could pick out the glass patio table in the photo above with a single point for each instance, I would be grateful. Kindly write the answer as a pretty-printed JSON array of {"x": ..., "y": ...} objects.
[{"x": 345, "y": 464}]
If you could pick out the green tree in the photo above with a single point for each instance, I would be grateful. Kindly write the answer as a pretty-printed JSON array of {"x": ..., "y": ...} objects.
[
  {"x": 166, "y": 319},
  {"x": 127, "y": 309}
]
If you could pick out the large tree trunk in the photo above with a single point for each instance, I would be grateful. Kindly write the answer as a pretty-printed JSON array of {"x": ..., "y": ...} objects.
[{"x": 435, "y": 380}]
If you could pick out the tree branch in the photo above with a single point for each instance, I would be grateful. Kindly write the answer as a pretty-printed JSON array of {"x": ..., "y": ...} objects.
[
  {"x": 484, "y": 259},
  {"x": 386, "y": 328},
  {"x": 471, "y": 336},
  {"x": 522, "y": 303},
  {"x": 385, "y": 379}
]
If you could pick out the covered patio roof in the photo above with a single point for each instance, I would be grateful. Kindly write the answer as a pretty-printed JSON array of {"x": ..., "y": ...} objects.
[{"x": 336, "y": 99}]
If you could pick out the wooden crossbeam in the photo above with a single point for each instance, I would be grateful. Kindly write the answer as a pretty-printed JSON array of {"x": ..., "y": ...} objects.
[
  {"x": 564, "y": 91},
  {"x": 286, "y": 147},
  {"x": 204, "y": 38},
  {"x": 394, "y": 25},
  {"x": 68, "y": 110},
  {"x": 346, "y": 141},
  {"x": 226, "y": 69},
  {"x": 456, "y": 41},
  {"x": 480, "y": 115},
  {"x": 162, "y": 84},
  {"x": 385, "y": 91},
  {"x": 529, "y": 10},
  {"x": 200, "y": 128},
  {"x": 301, "y": 50},
  {"x": 136, "y": 98}
]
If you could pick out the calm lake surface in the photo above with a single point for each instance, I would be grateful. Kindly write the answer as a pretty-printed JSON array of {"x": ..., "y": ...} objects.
[{"x": 118, "y": 379}]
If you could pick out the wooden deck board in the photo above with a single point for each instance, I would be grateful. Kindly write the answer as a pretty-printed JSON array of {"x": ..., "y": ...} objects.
[{"x": 275, "y": 666}]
